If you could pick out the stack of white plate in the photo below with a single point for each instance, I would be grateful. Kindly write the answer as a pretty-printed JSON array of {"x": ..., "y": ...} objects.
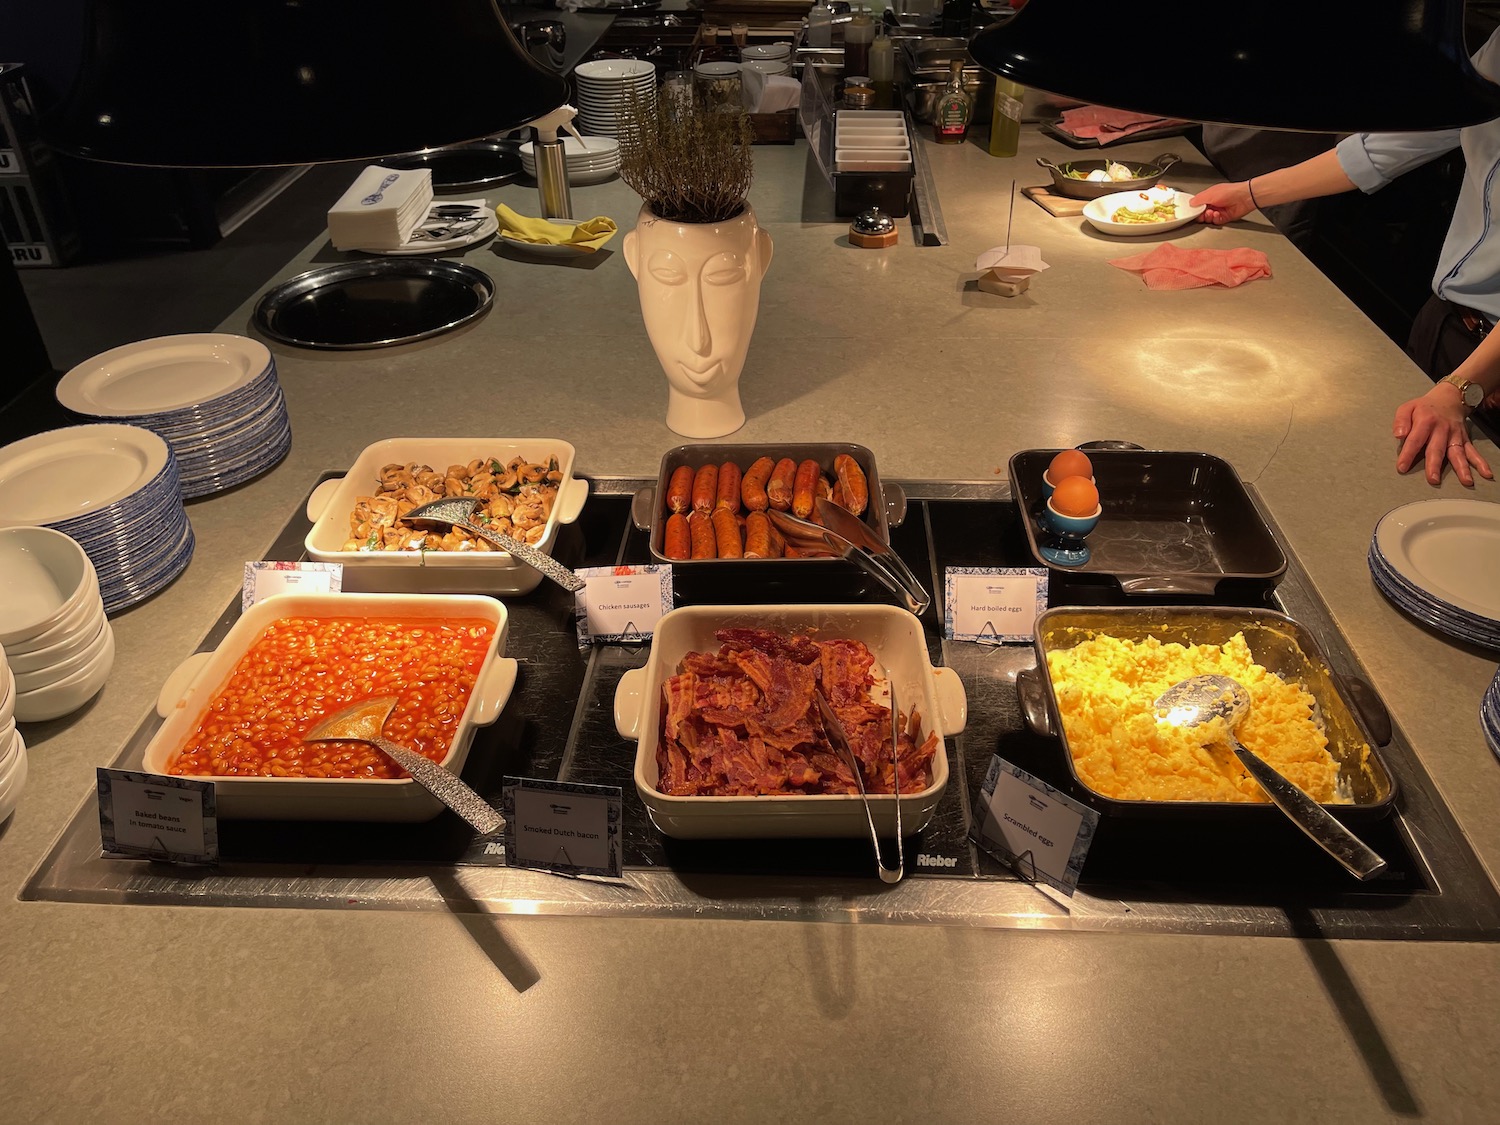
[
  {"x": 1489, "y": 714},
  {"x": 214, "y": 396},
  {"x": 58, "y": 644},
  {"x": 605, "y": 87},
  {"x": 12, "y": 746},
  {"x": 1439, "y": 562},
  {"x": 115, "y": 490},
  {"x": 593, "y": 161}
]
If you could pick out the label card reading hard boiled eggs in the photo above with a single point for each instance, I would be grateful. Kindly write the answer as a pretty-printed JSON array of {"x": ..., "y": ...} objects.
[
  {"x": 154, "y": 817},
  {"x": 993, "y": 604},
  {"x": 266, "y": 579},
  {"x": 1041, "y": 832},
  {"x": 621, "y": 604}
]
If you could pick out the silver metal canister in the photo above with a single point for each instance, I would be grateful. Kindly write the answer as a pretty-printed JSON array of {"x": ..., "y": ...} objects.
[{"x": 552, "y": 178}]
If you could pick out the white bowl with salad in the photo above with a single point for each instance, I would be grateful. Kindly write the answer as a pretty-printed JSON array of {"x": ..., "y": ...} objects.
[{"x": 1135, "y": 213}]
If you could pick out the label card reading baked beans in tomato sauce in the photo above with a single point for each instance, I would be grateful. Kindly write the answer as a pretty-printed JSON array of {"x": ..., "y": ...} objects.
[
  {"x": 565, "y": 827},
  {"x": 621, "y": 604},
  {"x": 153, "y": 817}
]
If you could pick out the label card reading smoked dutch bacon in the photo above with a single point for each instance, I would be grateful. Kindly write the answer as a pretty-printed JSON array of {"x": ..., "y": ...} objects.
[
  {"x": 1041, "y": 832},
  {"x": 993, "y": 605},
  {"x": 149, "y": 816},
  {"x": 568, "y": 828},
  {"x": 621, "y": 604}
]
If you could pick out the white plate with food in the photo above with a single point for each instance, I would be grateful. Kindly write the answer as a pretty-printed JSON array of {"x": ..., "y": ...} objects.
[{"x": 1134, "y": 214}]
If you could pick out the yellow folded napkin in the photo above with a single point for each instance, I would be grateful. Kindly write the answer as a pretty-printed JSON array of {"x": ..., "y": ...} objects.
[{"x": 589, "y": 235}]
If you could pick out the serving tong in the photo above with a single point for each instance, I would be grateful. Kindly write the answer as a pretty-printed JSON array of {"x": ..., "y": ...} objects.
[
  {"x": 839, "y": 738},
  {"x": 845, "y": 536}
]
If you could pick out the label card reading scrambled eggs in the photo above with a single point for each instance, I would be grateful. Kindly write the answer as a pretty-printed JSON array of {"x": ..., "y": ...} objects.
[
  {"x": 149, "y": 816},
  {"x": 993, "y": 605},
  {"x": 621, "y": 604},
  {"x": 1041, "y": 832}
]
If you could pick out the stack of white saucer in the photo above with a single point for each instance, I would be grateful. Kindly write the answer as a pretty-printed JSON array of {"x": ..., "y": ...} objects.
[
  {"x": 589, "y": 161},
  {"x": 381, "y": 208},
  {"x": 12, "y": 746},
  {"x": 59, "y": 647},
  {"x": 606, "y": 88}
]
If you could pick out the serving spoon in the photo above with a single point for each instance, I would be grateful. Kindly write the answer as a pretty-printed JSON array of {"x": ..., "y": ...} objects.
[
  {"x": 458, "y": 511},
  {"x": 365, "y": 722},
  {"x": 1200, "y": 699}
]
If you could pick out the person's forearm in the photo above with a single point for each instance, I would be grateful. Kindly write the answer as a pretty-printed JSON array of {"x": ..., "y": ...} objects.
[
  {"x": 1321, "y": 175},
  {"x": 1483, "y": 364}
]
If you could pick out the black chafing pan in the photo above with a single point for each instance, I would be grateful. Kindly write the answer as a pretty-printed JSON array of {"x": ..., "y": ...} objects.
[
  {"x": 1174, "y": 523},
  {"x": 1278, "y": 643},
  {"x": 756, "y": 580},
  {"x": 1143, "y": 176},
  {"x": 465, "y": 167}
]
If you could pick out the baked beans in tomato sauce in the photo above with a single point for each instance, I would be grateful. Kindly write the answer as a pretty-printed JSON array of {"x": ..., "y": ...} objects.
[{"x": 303, "y": 669}]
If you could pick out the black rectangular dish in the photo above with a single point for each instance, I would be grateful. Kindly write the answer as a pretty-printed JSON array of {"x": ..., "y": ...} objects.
[
  {"x": 1278, "y": 643},
  {"x": 786, "y": 580},
  {"x": 1173, "y": 523}
]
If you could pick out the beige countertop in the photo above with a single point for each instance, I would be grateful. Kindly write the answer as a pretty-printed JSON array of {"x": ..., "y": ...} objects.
[{"x": 152, "y": 1013}]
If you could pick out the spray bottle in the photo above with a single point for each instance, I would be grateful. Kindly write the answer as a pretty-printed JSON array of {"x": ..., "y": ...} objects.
[{"x": 552, "y": 162}]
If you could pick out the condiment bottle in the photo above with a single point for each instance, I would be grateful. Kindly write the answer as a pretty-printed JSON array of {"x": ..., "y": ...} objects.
[
  {"x": 820, "y": 25},
  {"x": 955, "y": 108},
  {"x": 883, "y": 68},
  {"x": 1005, "y": 118},
  {"x": 859, "y": 33}
]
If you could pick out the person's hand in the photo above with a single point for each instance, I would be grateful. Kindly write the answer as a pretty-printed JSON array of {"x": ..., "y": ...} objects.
[
  {"x": 1431, "y": 428},
  {"x": 1223, "y": 203}
]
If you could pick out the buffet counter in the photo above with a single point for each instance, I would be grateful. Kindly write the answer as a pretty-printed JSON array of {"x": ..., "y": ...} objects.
[{"x": 132, "y": 1010}]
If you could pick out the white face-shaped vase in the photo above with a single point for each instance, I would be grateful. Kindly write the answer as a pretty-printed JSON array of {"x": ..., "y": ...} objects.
[{"x": 700, "y": 292}]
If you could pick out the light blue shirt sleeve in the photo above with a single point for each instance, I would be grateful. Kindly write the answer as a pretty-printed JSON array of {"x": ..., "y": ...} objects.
[{"x": 1373, "y": 160}]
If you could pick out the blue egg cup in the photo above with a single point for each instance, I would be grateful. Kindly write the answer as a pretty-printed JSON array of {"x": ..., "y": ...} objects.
[{"x": 1066, "y": 547}]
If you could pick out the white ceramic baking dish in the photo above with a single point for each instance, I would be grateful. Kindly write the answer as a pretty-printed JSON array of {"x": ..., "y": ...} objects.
[
  {"x": 193, "y": 685},
  {"x": 892, "y": 634},
  {"x": 431, "y": 572}
]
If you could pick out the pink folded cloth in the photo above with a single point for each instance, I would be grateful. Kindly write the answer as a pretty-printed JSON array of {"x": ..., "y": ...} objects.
[
  {"x": 1105, "y": 125},
  {"x": 1167, "y": 267}
]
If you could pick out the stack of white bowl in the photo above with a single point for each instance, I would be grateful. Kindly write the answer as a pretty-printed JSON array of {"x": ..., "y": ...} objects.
[
  {"x": 59, "y": 647},
  {"x": 605, "y": 87},
  {"x": 591, "y": 161},
  {"x": 12, "y": 746}
]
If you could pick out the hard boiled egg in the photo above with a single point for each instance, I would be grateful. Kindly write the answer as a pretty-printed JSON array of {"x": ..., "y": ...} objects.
[
  {"x": 1075, "y": 496},
  {"x": 1069, "y": 463}
]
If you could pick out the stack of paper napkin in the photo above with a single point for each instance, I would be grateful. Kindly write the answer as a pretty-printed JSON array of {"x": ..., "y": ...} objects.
[{"x": 381, "y": 208}]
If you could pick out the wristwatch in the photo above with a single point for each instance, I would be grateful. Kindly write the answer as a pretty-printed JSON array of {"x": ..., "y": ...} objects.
[{"x": 1470, "y": 393}]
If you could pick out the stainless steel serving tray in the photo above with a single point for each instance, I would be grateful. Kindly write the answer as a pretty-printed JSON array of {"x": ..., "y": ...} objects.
[
  {"x": 1278, "y": 643},
  {"x": 793, "y": 580},
  {"x": 1174, "y": 523},
  {"x": 374, "y": 304},
  {"x": 466, "y": 167}
]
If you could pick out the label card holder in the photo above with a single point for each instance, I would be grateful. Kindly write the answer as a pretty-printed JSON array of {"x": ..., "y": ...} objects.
[
  {"x": 150, "y": 816},
  {"x": 1041, "y": 832},
  {"x": 621, "y": 604},
  {"x": 266, "y": 579},
  {"x": 567, "y": 828},
  {"x": 993, "y": 605}
]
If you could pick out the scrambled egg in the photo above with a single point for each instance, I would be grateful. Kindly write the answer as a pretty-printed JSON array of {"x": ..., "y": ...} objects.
[{"x": 1106, "y": 687}]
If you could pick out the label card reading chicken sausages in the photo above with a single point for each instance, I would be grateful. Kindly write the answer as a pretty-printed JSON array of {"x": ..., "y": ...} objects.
[
  {"x": 621, "y": 604},
  {"x": 993, "y": 605},
  {"x": 155, "y": 817},
  {"x": 1041, "y": 832}
]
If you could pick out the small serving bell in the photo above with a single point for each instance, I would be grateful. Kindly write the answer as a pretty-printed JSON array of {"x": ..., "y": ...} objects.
[{"x": 873, "y": 229}]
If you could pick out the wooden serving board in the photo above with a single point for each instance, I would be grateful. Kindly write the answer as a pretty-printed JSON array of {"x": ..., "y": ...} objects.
[{"x": 1063, "y": 206}]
